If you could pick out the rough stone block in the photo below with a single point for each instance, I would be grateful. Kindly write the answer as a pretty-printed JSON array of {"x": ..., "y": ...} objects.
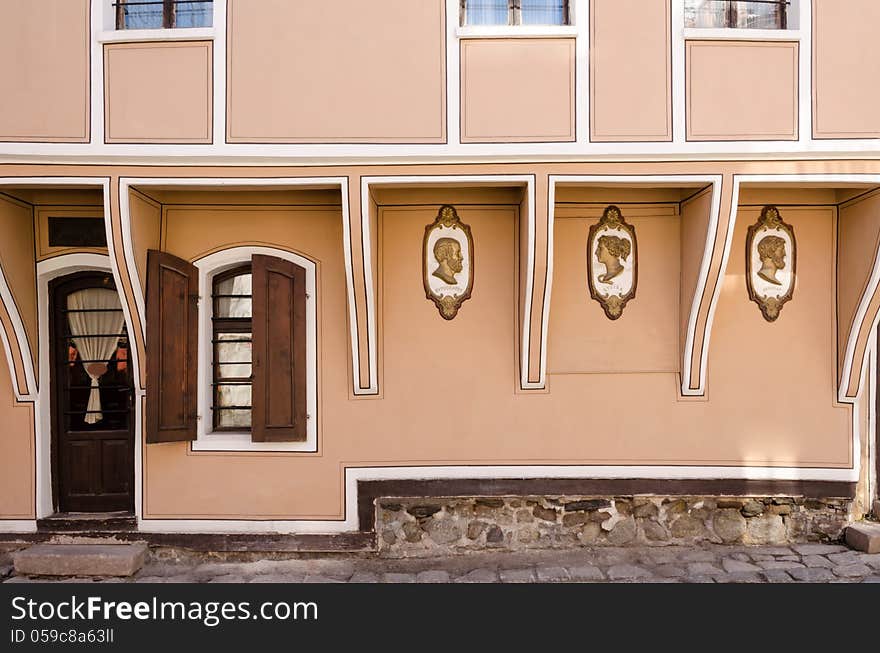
[
  {"x": 864, "y": 537},
  {"x": 80, "y": 559}
]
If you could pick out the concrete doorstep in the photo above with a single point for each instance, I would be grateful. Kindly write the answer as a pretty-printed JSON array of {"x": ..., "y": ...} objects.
[
  {"x": 80, "y": 559},
  {"x": 864, "y": 536}
]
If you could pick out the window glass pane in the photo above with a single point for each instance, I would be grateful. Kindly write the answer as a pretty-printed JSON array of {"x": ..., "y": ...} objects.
[
  {"x": 227, "y": 418},
  {"x": 141, "y": 14},
  {"x": 193, "y": 14},
  {"x": 232, "y": 356},
  {"x": 705, "y": 13},
  {"x": 238, "y": 395},
  {"x": 486, "y": 12},
  {"x": 543, "y": 12},
  {"x": 237, "y": 302},
  {"x": 759, "y": 15},
  {"x": 766, "y": 14}
]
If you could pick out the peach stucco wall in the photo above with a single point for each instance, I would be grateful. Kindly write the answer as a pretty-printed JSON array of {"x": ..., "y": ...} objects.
[
  {"x": 342, "y": 71},
  {"x": 44, "y": 69},
  {"x": 16, "y": 452},
  {"x": 741, "y": 90},
  {"x": 779, "y": 368},
  {"x": 517, "y": 90},
  {"x": 645, "y": 337},
  {"x": 846, "y": 53},
  {"x": 17, "y": 258},
  {"x": 630, "y": 70},
  {"x": 448, "y": 387},
  {"x": 158, "y": 92}
]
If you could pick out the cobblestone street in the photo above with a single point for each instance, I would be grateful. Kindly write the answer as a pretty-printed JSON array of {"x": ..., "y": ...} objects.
[{"x": 811, "y": 563}]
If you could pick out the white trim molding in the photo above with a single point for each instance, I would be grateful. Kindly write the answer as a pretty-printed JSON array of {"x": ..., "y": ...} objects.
[
  {"x": 207, "y": 439},
  {"x": 18, "y": 525}
]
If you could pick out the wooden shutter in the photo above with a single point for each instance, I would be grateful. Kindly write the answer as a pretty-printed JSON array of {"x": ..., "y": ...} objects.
[
  {"x": 172, "y": 348},
  {"x": 279, "y": 350}
]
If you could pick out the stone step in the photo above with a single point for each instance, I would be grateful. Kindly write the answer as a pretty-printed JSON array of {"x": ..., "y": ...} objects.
[
  {"x": 88, "y": 522},
  {"x": 80, "y": 559},
  {"x": 864, "y": 536}
]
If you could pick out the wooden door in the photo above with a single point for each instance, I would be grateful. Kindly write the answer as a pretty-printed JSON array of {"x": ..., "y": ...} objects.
[{"x": 92, "y": 396}]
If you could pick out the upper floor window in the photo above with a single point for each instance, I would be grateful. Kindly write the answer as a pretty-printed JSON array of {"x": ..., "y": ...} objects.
[
  {"x": 756, "y": 14},
  {"x": 159, "y": 14},
  {"x": 515, "y": 12}
]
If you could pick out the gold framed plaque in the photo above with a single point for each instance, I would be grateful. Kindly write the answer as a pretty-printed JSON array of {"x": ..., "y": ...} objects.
[
  {"x": 448, "y": 262},
  {"x": 771, "y": 262},
  {"x": 612, "y": 262}
]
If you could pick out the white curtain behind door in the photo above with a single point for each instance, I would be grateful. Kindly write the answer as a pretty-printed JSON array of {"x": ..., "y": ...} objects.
[{"x": 106, "y": 324}]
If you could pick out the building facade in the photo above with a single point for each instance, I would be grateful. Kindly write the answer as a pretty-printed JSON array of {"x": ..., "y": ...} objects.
[{"x": 268, "y": 263}]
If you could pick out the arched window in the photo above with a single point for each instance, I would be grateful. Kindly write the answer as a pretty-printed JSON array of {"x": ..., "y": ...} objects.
[{"x": 232, "y": 350}]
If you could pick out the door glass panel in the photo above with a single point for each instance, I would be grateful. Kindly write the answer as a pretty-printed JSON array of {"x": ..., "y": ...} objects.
[{"x": 98, "y": 374}]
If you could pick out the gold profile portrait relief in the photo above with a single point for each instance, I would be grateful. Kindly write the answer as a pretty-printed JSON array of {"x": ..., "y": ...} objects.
[
  {"x": 448, "y": 262},
  {"x": 771, "y": 262},
  {"x": 612, "y": 262}
]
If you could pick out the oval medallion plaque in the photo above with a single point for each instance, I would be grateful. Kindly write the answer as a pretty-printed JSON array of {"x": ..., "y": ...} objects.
[
  {"x": 448, "y": 262},
  {"x": 612, "y": 262}
]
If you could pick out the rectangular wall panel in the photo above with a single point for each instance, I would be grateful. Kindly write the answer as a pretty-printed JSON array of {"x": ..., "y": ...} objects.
[
  {"x": 517, "y": 90},
  {"x": 846, "y": 56},
  {"x": 342, "y": 71},
  {"x": 44, "y": 70},
  {"x": 158, "y": 92},
  {"x": 630, "y": 70},
  {"x": 741, "y": 90}
]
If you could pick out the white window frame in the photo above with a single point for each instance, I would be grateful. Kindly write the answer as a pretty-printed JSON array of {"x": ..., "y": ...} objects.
[
  {"x": 110, "y": 34},
  {"x": 791, "y": 31},
  {"x": 517, "y": 29},
  {"x": 206, "y": 438}
]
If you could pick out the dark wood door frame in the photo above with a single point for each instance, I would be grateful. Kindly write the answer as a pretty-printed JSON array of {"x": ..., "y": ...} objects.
[{"x": 70, "y": 283}]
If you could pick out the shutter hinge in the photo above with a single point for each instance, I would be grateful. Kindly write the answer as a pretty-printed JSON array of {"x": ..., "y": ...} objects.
[
  {"x": 195, "y": 298},
  {"x": 308, "y": 296},
  {"x": 308, "y": 416}
]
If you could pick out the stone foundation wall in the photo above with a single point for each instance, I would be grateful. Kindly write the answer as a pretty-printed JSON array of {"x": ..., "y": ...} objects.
[{"x": 425, "y": 527}]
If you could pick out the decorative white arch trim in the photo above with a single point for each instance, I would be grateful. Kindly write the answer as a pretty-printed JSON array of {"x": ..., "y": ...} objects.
[
  {"x": 862, "y": 321},
  {"x": 705, "y": 265},
  {"x": 46, "y": 271},
  {"x": 527, "y": 181}
]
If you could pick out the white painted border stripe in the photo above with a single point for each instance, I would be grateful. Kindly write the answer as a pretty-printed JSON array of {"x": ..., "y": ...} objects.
[{"x": 18, "y": 525}]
